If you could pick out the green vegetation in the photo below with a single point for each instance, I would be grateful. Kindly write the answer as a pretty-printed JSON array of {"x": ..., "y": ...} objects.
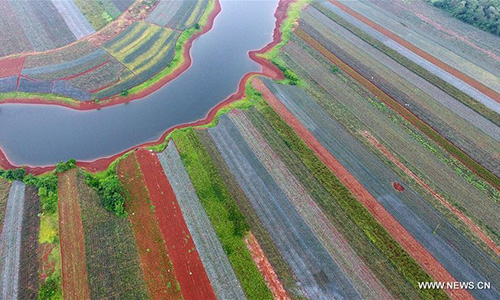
[
  {"x": 484, "y": 14},
  {"x": 109, "y": 189},
  {"x": 403, "y": 262},
  {"x": 228, "y": 222},
  {"x": 65, "y": 166},
  {"x": 438, "y": 82},
  {"x": 94, "y": 12}
]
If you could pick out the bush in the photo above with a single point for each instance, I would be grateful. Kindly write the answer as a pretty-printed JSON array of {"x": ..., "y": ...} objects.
[
  {"x": 65, "y": 166},
  {"x": 110, "y": 190}
]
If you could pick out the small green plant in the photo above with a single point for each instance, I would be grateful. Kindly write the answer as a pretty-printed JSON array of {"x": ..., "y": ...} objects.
[
  {"x": 335, "y": 69},
  {"x": 124, "y": 92}
]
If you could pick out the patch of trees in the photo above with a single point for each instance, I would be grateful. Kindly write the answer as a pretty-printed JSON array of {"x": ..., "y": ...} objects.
[
  {"x": 484, "y": 14},
  {"x": 110, "y": 190}
]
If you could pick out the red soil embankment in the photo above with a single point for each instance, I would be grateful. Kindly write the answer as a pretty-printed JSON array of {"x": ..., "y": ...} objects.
[
  {"x": 74, "y": 266},
  {"x": 395, "y": 229},
  {"x": 472, "y": 82},
  {"x": 155, "y": 261},
  {"x": 188, "y": 267},
  {"x": 266, "y": 269},
  {"x": 11, "y": 66},
  {"x": 480, "y": 233}
]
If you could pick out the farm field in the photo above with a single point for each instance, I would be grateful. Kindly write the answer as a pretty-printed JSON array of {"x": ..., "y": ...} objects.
[
  {"x": 74, "y": 275},
  {"x": 94, "y": 65},
  {"x": 329, "y": 133},
  {"x": 356, "y": 155},
  {"x": 359, "y": 111}
]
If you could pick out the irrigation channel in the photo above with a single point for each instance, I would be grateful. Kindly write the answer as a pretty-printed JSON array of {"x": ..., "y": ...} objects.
[{"x": 38, "y": 135}]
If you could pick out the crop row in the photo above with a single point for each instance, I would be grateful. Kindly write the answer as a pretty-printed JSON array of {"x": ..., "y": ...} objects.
[
  {"x": 466, "y": 137},
  {"x": 221, "y": 210},
  {"x": 331, "y": 239},
  {"x": 113, "y": 266},
  {"x": 188, "y": 267},
  {"x": 178, "y": 14},
  {"x": 416, "y": 68},
  {"x": 449, "y": 246},
  {"x": 358, "y": 111},
  {"x": 156, "y": 264},
  {"x": 318, "y": 274},
  {"x": 444, "y": 52}
]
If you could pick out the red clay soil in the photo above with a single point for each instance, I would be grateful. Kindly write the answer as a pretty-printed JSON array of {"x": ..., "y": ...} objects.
[
  {"x": 479, "y": 86},
  {"x": 478, "y": 231},
  {"x": 268, "y": 70},
  {"x": 155, "y": 261},
  {"x": 46, "y": 266},
  {"x": 74, "y": 266},
  {"x": 398, "y": 186},
  {"x": 11, "y": 66},
  {"x": 266, "y": 269},
  {"x": 28, "y": 273},
  {"x": 395, "y": 229},
  {"x": 188, "y": 267}
]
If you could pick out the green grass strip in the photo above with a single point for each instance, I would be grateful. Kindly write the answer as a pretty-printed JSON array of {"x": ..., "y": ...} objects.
[
  {"x": 228, "y": 222},
  {"x": 403, "y": 262}
]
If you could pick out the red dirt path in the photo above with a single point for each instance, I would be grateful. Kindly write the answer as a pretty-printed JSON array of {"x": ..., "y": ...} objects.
[
  {"x": 11, "y": 66},
  {"x": 188, "y": 267},
  {"x": 268, "y": 70},
  {"x": 395, "y": 229},
  {"x": 155, "y": 261},
  {"x": 479, "y": 86},
  {"x": 266, "y": 269},
  {"x": 74, "y": 266},
  {"x": 480, "y": 233}
]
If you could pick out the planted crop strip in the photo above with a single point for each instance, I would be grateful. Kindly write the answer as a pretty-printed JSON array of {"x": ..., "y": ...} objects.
[
  {"x": 187, "y": 264},
  {"x": 487, "y": 240},
  {"x": 479, "y": 146},
  {"x": 315, "y": 177},
  {"x": 164, "y": 12},
  {"x": 28, "y": 273},
  {"x": 419, "y": 70},
  {"x": 4, "y": 196},
  {"x": 461, "y": 81},
  {"x": 359, "y": 274},
  {"x": 74, "y": 274},
  {"x": 448, "y": 55},
  {"x": 349, "y": 103},
  {"x": 204, "y": 200},
  {"x": 10, "y": 242},
  {"x": 73, "y": 18},
  {"x": 323, "y": 28},
  {"x": 113, "y": 264},
  {"x": 452, "y": 149},
  {"x": 371, "y": 207},
  {"x": 263, "y": 236},
  {"x": 266, "y": 269},
  {"x": 463, "y": 259},
  {"x": 319, "y": 275},
  {"x": 156, "y": 264}
]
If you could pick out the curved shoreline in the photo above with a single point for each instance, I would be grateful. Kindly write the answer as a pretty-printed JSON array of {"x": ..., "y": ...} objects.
[
  {"x": 118, "y": 99},
  {"x": 268, "y": 70}
]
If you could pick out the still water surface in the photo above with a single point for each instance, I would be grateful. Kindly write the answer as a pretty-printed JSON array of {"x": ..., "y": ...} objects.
[{"x": 44, "y": 135}]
